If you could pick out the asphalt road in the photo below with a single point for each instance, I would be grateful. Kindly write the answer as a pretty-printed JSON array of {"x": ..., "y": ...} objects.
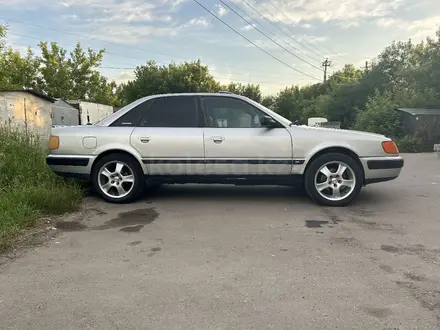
[{"x": 218, "y": 257}]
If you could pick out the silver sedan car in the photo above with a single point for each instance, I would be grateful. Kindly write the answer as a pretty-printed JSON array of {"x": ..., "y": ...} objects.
[{"x": 218, "y": 138}]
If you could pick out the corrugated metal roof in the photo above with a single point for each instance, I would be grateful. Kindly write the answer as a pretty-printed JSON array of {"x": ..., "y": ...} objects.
[{"x": 421, "y": 112}]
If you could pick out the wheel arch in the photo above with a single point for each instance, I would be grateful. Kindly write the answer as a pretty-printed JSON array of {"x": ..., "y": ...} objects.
[
  {"x": 117, "y": 151},
  {"x": 342, "y": 150}
]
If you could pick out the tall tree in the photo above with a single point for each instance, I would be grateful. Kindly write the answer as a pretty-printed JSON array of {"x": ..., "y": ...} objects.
[
  {"x": 175, "y": 78},
  {"x": 74, "y": 75},
  {"x": 16, "y": 71}
]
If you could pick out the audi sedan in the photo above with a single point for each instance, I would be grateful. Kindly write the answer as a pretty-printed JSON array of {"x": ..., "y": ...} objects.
[{"x": 218, "y": 138}]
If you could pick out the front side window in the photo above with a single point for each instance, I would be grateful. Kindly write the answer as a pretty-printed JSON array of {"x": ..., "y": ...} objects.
[
  {"x": 231, "y": 113},
  {"x": 171, "y": 111}
]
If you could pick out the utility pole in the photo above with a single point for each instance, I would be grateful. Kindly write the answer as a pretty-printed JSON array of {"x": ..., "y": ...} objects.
[
  {"x": 325, "y": 65},
  {"x": 366, "y": 66}
]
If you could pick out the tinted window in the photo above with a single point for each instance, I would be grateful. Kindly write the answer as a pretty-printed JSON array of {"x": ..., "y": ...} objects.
[
  {"x": 171, "y": 111},
  {"x": 231, "y": 113},
  {"x": 132, "y": 117}
]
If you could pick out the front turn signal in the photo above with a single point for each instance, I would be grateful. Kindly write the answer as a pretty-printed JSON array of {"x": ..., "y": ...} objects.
[
  {"x": 54, "y": 142},
  {"x": 390, "y": 147}
]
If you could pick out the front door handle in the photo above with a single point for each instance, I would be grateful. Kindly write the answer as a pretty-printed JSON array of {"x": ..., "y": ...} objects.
[
  {"x": 218, "y": 139},
  {"x": 145, "y": 139}
]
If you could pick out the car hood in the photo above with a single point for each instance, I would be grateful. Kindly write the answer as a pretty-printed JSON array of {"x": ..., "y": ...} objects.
[{"x": 337, "y": 132}]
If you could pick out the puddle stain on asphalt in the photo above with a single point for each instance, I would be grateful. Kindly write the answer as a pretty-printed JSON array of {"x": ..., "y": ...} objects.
[
  {"x": 377, "y": 312},
  {"x": 70, "y": 226},
  {"x": 130, "y": 218},
  {"x": 389, "y": 248},
  {"x": 134, "y": 243},
  {"x": 387, "y": 268},
  {"x": 153, "y": 251},
  {"x": 133, "y": 229},
  {"x": 315, "y": 223},
  {"x": 131, "y": 221}
]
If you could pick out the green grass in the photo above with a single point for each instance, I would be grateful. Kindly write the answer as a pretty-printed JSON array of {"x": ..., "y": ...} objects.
[{"x": 29, "y": 190}]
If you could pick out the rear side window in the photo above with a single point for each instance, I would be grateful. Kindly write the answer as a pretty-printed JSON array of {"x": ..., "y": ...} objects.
[
  {"x": 172, "y": 111},
  {"x": 133, "y": 117}
]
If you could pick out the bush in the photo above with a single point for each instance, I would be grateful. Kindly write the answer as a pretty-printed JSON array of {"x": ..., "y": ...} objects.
[
  {"x": 409, "y": 144},
  {"x": 28, "y": 188}
]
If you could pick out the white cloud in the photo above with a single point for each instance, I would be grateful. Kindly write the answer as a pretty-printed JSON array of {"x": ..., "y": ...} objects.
[
  {"x": 248, "y": 27},
  {"x": 307, "y": 26},
  {"x": 63, "y": 4},
  {"x": 348, "y": 24},
  {"x": 418, "y": 29},
  {"x": 201, "y": 21},
  {"x": 386, "y": 22},
  {"x": 123, "y": 77},
  {"x": 424, "y": 27},
  {"x": 324, "y": 10},
  {"x": 221, "y": 11}
]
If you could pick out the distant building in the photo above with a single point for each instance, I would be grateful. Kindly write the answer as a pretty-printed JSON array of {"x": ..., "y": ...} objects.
[
  {"x": 26, "y": 109},
  {"x": 35, "y": 112},
  {"x": 89, "y": 112},
  {"x": 423, "y": 123},
  {"x": 64, "y": 114}
]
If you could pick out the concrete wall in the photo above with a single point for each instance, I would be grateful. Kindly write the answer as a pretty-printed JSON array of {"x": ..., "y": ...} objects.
[
  {"x": 64, "y": 114},
  {"x": 91, "y": 112},
  {"x": 26, "y": 111}
]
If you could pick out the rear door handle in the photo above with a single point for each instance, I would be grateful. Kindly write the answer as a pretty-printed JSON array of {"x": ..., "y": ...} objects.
[
  {"x": 145, "y": 139},
  {"x": 218, "y": 139}
]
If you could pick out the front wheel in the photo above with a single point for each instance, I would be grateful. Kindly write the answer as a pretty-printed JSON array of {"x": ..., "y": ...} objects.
[
  {"x": 333, "y": 179},
  {"x": 118, "y": 178}
]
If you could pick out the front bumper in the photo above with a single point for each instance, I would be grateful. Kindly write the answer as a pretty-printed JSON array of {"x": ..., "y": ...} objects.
[
  {"x": 71, "y": 166},
  {"x": 380, "y": 169}
]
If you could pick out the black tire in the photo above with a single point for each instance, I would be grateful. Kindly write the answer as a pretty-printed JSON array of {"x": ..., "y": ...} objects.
[
  {"x": 314, "y": 167},
  {"x": 133, "y": 165}
]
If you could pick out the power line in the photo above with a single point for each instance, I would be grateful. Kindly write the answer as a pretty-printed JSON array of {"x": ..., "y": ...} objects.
[
  {"x": 289, "y": 44},
  {"x": 213, "y": 72},
  {"x": 251, "y": 42},
  {"x": 291, "y": 21},
  {"x": 277, "y": 27},
  {"x": 159, "y": 62},
  {"x": 210, "y": 71},
  {"x": 126, "y": 46},
  {"x": 264, "y": 34}
]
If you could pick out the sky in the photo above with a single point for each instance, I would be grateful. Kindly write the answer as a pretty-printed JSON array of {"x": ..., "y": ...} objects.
[{"x": 286, "y": 40}]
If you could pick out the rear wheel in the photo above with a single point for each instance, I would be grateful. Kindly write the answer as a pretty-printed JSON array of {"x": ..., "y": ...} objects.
[
  {"x": 118, "y": 178},
  {"x": 333, "y": 179}
]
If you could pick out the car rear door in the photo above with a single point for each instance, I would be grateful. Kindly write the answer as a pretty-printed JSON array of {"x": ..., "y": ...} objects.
[
  {"x": 169, "y": 136},
  {"x": 237, "y": 144}
]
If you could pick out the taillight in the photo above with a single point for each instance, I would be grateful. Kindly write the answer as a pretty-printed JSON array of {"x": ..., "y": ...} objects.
[{"x": 390, "y": 147}]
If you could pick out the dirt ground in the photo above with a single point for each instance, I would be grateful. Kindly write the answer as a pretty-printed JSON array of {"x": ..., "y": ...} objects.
[{"x": 221, "y": 257}]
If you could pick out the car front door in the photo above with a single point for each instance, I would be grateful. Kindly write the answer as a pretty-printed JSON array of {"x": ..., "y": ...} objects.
[
  {"x": 170, "y": 136},
  {"x": 236, "y": 143}
]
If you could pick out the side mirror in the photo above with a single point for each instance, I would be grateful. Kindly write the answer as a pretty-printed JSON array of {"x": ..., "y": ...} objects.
[{"x": 269, "y": 122}]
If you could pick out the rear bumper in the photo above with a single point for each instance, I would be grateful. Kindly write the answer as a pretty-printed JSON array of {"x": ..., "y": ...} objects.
[
  {"x": 71, "y": 166},
  {"x": 381, "y": 169},
  {"x": 385, "y": 164}
]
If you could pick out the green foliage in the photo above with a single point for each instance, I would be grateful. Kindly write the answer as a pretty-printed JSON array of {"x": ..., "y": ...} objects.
[
  {"x": 380, "y": 116},
  {"x": 268, "y": 101},
  {"x": 250, "y": 90},
  {"x": 409, "y": 144},
  {"x": 56, "y": 73},
  {"x": 28, "y": 188}
]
